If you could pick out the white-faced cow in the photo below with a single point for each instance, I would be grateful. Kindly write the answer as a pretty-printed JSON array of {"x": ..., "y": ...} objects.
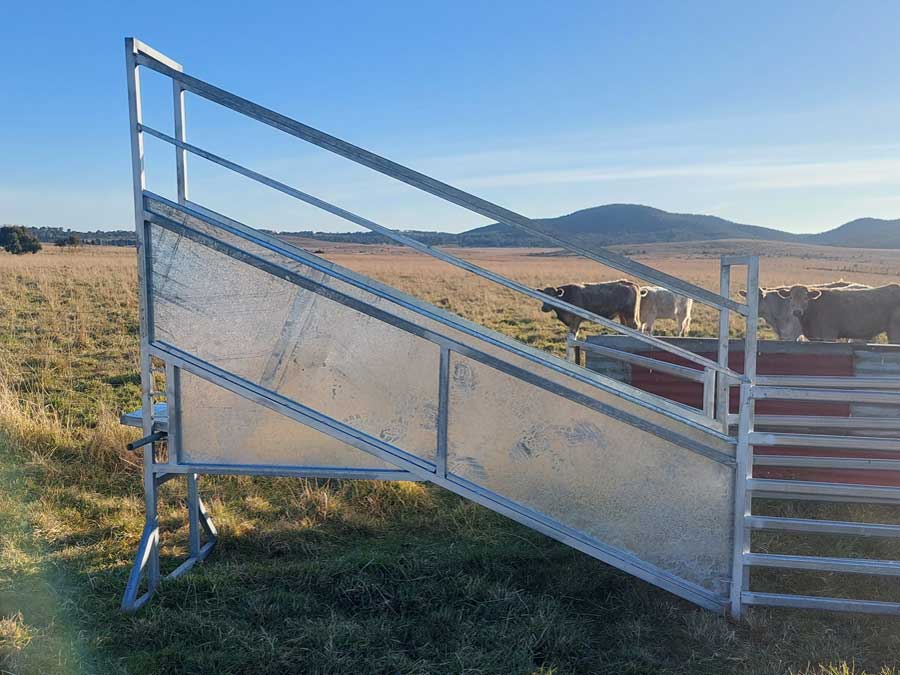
[
  {"x": 661, "y": 303},
  {"x": 609, "y": 299},
  {"x": 778, "y": 310},
  {"x": 852, "y": 313}
]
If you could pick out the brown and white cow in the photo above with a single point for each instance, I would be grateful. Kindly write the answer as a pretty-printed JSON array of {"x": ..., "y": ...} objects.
[
  {"x": 777, "y": 310},
  {"x": 609, "y": 299},
  {"x": 852, "y": 313},
  {"x": 661, "y": 303}
]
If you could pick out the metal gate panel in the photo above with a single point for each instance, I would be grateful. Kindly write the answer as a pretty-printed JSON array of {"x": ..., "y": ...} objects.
[
  {"x": 296, "y": 343},
  {"x": 620, "y": 485},
  {"x": 218, "y": 427}
]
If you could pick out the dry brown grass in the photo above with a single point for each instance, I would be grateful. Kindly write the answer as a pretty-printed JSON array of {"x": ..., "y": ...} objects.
[{"x": 334, "y": 577}]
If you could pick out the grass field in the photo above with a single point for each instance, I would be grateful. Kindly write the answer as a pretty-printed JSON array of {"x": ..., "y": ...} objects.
[{"x": 328, "y": 577}]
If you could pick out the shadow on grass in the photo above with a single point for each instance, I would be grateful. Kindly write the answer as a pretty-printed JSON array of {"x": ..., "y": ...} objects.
[{"x": 449, "y": 588}]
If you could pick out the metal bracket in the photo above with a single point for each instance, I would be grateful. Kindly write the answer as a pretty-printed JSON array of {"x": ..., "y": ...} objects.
[
  {"x": 146, "y": 440},
  {"x": 147, "y": 557}
]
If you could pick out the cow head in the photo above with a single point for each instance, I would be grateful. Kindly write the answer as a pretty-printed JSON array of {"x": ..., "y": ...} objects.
[
  {"x": 783, "y": 308},
  {"x": 552, "y": 291}
]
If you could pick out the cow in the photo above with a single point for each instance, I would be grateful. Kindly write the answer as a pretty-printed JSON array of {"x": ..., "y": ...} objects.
[
  {"x": 852, "y": 313},
  {"x": 661, "y": 303},
  {"x": 609, "y": 299},
  {"x": 775, "y": 307}
]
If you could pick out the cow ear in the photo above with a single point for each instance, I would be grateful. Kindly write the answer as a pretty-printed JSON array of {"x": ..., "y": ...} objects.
[
  {"x": 644, "y": 292},
  {"x": 813, "y": 294},
  {"x": 743, "y": 294},
  {"x": 784, "y": 292},
  {"x": 560, "y": 292}
]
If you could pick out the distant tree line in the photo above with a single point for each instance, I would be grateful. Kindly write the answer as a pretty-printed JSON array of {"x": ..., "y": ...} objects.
[
  {"x": 55, "y": 235},
  {"x": 16, "y": 239}
]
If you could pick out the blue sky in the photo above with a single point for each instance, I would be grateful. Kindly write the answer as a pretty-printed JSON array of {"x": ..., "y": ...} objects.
[{"x": 782, "y": 114}]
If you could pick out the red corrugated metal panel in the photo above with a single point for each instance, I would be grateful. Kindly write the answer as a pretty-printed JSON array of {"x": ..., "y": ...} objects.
[
  {"x": 768, "y": 363},
  {"x": 818, "y": 359}
]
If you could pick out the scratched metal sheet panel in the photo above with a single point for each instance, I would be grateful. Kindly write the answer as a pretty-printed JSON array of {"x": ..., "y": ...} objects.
[
  {"x": 615, "y": 394},
  {"x": 299, "y": 344},
  {"x": 220, "y": 427},
  {"x": 616, "y": 483}
]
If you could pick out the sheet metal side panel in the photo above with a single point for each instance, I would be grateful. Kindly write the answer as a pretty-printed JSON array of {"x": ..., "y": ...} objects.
[
  {"x": 219, "y": 427},
  {"x": 630, "y": 489},
  {"x": 361, "y": 371},
  {"x": 610, "y": 398}
]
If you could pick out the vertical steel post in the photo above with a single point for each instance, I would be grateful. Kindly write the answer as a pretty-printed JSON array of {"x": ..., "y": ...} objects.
[
  {"x": 180, "y": 134},
  {"x": 443, "y": 412},
  {"x": 743, "y": 498},
  {"x": 723, "y": 387},
  {"x": 570, "y": 348},
  {"x": 742, "y": 473},
  {"x": 750, "y": 339},
  {"x": 709, "y": 392},
  {"x": 193, "y": 500},
  {"x": 138, "y": 181},
  {"x": 173, "y": 410}
]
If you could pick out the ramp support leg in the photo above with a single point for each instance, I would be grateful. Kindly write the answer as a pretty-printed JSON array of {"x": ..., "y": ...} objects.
[
  {"x": 147, "y": 557},
  {"x": 200, "y": 526}
]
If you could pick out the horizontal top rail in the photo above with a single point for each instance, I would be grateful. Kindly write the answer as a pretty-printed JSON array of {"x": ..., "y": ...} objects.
[
  {"x": 824, "y": 564},
  {"x": 853, "y": 422},
  {"x": 829, "y": 382},
  {"x": 812, "y": 525},
  {"x": 825, "y": 394},
  {"x": 428, "y": 184},
  {"x": 773, "y": 439},
  {"x": 683, "y": 372},
  {"x": 440, "y": 255},
  {"x": 142, "y": 48}
]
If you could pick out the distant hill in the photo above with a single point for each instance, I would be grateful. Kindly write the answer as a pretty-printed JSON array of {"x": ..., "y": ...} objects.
[
  {"x": 598, "y": 226},
  {"x": 623, "y": 224},
  {"x": 861, "y": 233}
]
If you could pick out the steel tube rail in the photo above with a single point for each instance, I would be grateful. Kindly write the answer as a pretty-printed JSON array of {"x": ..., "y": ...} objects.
[
  {"x": 823, "y": 603},
  {"x": 723, "y": 387},
  {"x": 187, "y": 468},
  {"x": 803, "y": 562},
  {"x": 829, "y": 382},
  {"x": 655, "y": 364},
  {"x": 428, "y": 184},
  {"x": 813, "y": 526},
  {"x": 743, "y": 502},
  {"x": 800, "y": 461},
  {"x": 813, "y": 489},
  {"x": 801, "y": 394},
  {"x": 767, "y": 438},
  {"x": 826, "y": 422},
  {"x": 430, "y": 251},
  {"x": 150, "y": 558}
]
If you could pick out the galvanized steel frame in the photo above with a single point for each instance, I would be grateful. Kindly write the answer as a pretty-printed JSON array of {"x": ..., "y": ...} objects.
[
  {"x": 412, "y": 468},
  {"x": 716, "y": 375}
]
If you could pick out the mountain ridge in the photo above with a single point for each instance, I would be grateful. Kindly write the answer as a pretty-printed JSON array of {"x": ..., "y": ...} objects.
[
  {"x": 605, "y": 225},
  {"x": 617, "y": 224}
]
